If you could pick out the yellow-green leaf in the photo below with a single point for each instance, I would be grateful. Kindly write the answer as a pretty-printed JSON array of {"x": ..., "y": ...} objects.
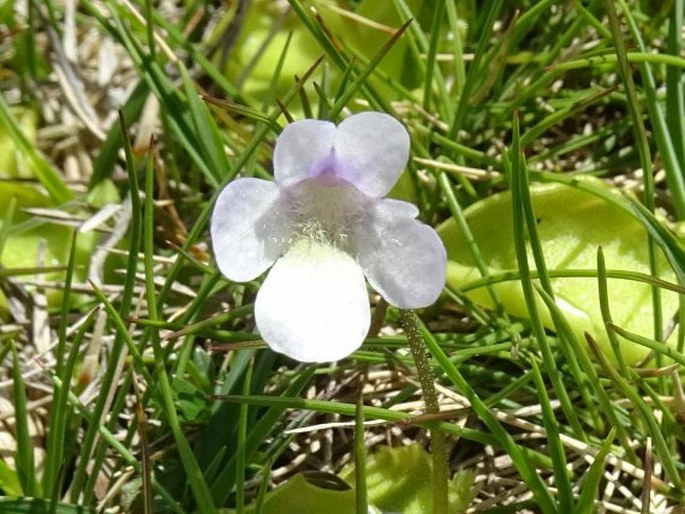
[{"x": 572, "y": 224}]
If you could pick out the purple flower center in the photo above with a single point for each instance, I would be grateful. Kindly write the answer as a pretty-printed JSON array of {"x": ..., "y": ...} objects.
[{"x": 328, "y": 172}]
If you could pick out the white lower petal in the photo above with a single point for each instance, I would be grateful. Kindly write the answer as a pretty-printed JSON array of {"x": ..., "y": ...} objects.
[
  {"x": 248, "y": 229},
  {"x": 313, "y": 305},
  {"x": 403, "y": 259}
]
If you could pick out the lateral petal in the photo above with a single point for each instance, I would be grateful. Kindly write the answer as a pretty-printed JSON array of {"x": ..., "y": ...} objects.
[
  {"x": 248, "y": 229},
  {"x": 402, "y": 258}
]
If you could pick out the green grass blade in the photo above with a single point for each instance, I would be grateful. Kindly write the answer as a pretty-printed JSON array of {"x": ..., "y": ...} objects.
[
  {"x": 7, "y": 224},
  {"x": 150, "y": 30},
  {"x": 587, "y": 15},
  {"x": 126, "y": 301},
  {"x": 644, "y": 411},
  {"x": 350, "y": 410},
  {"x": 145, "y": 461},
  {"x": 475, "y": 70},
  {"x": 117, "y": 446},
  {"x": 136, "y": 218},
  {"x": 263, "y": 488},
  {"x": 273, "y": 84},
  {"x": 198, "y": 55},
  {"x": 26, "y": 469},
  {"x": 60, "y": 415},
  {"x": 207, "y": 287},
  {"x": 525, "y": 229},
  {"x": 224, "y": 481},
  {"x": 122, "y": 329},
  {"x": 241, "y": 459},
  {"x": 525, "y": 224},
  {"x": 9, "y": 481},
  {"x": 655, "y": 346},
  {"x": 675, "y": 83},
  {"x": 37, "y": 506},
  {"x": 556, "y": 448},
  {"x": 434, "y": 76},
  {"x": 319, "y": 34},
  {"x": 458, "y": 216},
  {"x": 591, "y": 61},
  {"x": 672, "y": 248},
  {"x": 593, "y": 476},
  {"x": 104, "y": 163},
  {"x": 589, "y": 382},
  {"x": 603, "y": 293},
  {"x": 205, "y": 127},
  {"x": 171, "y": 101},
  {"x": 203, "y": 497},
  {"x": 673, "y": 166},
  {"x": 676, "y": 180},
  {"x": 360, "y": 455},
  {"x": 88, "y": 446},
  {"x": 360, "y": 80},
  {"x": 562, "y": 114},
  {"x": 66, "y": 299}
]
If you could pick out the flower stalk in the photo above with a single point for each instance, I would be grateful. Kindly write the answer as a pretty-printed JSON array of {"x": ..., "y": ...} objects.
[{"x": 430, "y": 398}]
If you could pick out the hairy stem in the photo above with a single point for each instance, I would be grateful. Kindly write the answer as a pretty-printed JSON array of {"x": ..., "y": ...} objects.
[{"x": 430, "y": 398}]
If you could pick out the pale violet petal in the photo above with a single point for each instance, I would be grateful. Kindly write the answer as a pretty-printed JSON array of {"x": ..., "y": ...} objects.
[
  {"x": 371, "y": 150},
  {"x": 391, "y": 208},
  {"x": 247, "y": 228},
  {"x": 403, "y": 259},
  {"x": 302, "y": 150},
  {"x": 313, "y": 305}
]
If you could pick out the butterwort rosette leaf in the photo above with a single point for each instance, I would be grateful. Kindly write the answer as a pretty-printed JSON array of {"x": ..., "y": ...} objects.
[{"x": 323, "y": 226}]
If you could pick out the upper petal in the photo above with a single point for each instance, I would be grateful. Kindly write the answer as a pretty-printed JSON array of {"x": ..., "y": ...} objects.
[
  {"x": 302, "y": 149},
  {"x": 313, "y": 305},
  {"x": 371, "y": 150},
  {"x": 403, "y": 259},
  {"x": 247, "y": 229}
]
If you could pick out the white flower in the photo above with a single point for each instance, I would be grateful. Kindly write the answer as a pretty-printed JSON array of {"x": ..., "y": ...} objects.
[{"x": 324, "y": 225}]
